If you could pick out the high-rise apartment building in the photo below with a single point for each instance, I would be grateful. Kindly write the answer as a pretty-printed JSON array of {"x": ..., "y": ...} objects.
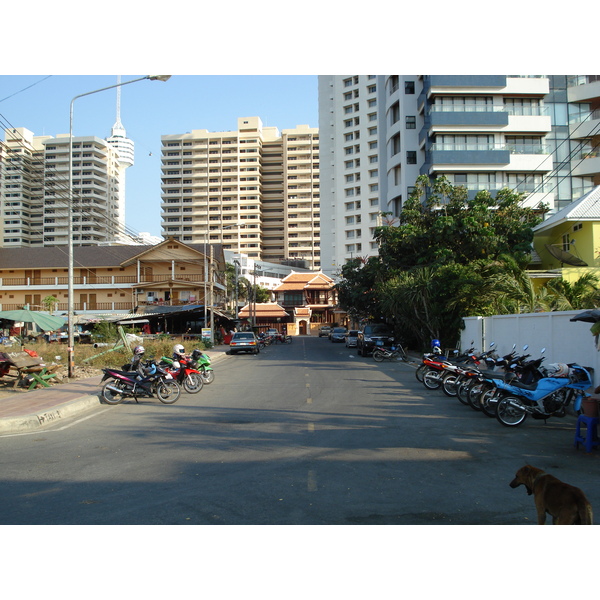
[
  {"x": 534, "y": 134},
  {"x": 254, "y": 190},
  {"x": 21, "y": 188},
  {"x": 34, "y": 175}
]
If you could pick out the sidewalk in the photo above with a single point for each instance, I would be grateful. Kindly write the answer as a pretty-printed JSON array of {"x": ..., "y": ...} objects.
[{"x": 29, "y": 411}]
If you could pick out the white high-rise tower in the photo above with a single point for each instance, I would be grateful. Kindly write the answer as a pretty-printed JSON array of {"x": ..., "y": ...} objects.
[{"x": 125, "y": 150}]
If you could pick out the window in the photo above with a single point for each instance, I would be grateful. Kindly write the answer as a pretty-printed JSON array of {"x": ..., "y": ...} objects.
[
  {"x": 411, "y": 157},
  {"x": 411, "y": 122},
  {"x": 394, "y": 113},
  {"x": 395, "y": 145},
  {"x": 409, "y": 87}
]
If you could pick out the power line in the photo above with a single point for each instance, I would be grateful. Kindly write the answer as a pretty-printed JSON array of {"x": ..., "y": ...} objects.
[{"x": 26, "y": 88}]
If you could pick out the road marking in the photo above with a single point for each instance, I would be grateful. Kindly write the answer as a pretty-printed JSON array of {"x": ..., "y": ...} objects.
[{"x": 311, "y": 481}]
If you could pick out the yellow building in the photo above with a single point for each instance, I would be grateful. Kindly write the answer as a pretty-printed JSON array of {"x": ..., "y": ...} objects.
[
  {"x": 116, "y": 280},
  {"x": 568, "y": 242}
]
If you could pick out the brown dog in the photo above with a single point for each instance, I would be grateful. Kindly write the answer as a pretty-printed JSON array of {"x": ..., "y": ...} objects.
[{"x": 566, "y": 504}]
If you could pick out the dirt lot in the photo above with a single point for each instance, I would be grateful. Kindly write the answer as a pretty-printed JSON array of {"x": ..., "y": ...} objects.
[{"x": 8, "y": 389}]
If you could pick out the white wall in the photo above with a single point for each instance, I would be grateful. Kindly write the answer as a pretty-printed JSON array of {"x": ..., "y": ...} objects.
[{"x": 565, "y": 341}]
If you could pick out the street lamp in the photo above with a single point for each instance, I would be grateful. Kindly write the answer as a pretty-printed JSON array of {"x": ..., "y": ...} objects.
[
  {"x": 237, "y": 266},
  {"x": 256, "y": 271},
  {"x": 70, "y": 295}
]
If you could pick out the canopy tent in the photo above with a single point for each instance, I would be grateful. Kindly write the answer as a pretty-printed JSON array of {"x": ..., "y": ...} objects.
[{"x": 44, "y": 321}]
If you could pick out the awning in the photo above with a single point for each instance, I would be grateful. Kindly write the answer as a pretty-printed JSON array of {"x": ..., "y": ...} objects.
[
  {"x": 221, "y": 313},
  {"x": 133, "y": 322}
]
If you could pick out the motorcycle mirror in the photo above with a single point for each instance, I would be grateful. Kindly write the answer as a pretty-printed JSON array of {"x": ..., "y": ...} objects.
[
  {"x": 492, "y": 344},
  {"x": 525, "y": 347},
  {"x": 514, "y": 346},
  {"x": 542, "y": 350}
]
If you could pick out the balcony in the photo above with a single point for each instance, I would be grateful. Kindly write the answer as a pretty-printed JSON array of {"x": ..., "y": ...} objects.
[{"x": 586, "y": 166}]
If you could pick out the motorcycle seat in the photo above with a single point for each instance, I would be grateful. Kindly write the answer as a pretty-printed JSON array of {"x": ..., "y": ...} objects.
[{"x": 524, "y": 386}]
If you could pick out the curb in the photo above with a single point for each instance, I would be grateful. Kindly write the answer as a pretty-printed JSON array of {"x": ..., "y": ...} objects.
[{"x": 49, "y": 417}]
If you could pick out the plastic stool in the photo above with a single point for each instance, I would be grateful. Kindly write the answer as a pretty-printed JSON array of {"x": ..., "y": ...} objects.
[{"x": 590, "y": 436}]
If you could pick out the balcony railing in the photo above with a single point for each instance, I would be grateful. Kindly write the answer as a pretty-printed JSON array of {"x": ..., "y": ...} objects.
[
  {"x": 96, "y": 280},
  {"x": 576, "y": 80},
  {"x": 521, "y": 111},
  {"x": 512, "y": 148}
]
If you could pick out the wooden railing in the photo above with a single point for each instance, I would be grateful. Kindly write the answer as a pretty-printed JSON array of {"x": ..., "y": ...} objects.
[{"x": 95, "y": 280}]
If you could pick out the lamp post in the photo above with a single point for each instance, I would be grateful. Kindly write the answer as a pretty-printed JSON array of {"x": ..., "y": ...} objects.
[
  {"x": 70, "y": 295},
  {"x": 256, "y": 271},
  {"x": 237, "y": 265}
]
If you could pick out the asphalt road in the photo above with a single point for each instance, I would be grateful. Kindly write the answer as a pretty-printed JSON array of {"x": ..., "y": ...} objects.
[{"x": 308, "y": 433}]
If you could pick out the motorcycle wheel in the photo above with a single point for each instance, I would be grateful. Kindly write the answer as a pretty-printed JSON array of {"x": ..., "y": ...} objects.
[
  {"x": 508, "y": 414},
  {"x": 378, "y": 356},
  {"x": 432, "y": 380},
  {"x": 207, "y": 377},
  {"x": 110, "y": 396},
  {"x": 192, "y": 383},
  {"x": 462, "y": 388},
  {"x": 398, "y": 356},
  {"x": 474, "y": 392},
  {"x": 449, "y": 385},
  {"x": 420, "y": 372},
  {"x": 168, "y": 392},
  {"x": 488, "y": 402}
]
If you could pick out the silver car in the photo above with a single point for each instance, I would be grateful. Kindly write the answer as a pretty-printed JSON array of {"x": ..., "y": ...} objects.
[
  {"x": 338, "y": 334},
  {"x": 351, "y": 338},
  {"x": 243, "y": 341}
]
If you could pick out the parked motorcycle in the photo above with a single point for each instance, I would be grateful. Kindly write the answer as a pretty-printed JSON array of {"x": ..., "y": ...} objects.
[
  {"x": 548, "y": 397},
  {"x": 131, "y": 384},
  {"x": 440, "y": 370},
  {"x": 485, "y": 395},
  {"x": 432, "y": 360},
  {"x": 394, "y": 353},
  {"x": 187, "y": 376},
  {"x": 477, "y": 377},
  {"x": 464, "y": 374},
  {"x": 201, "y": 361}
]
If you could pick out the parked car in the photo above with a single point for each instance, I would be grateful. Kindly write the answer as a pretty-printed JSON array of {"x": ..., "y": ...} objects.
[
  {"x": 351, "y": 338},
  {"x": 243, "y": 341},
  {"x": 372, "y": 336},
  {"x": 338, "y": 334},
  {"x": 324, "y": 331},
  {"x": 272, "y": 332}
]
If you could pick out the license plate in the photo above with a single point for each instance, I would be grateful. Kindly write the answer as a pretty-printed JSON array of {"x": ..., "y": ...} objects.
[{"x": 379, "y": 343}]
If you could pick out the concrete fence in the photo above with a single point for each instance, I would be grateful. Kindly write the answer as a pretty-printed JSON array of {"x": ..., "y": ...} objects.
[{"x": 565, "y": 341}]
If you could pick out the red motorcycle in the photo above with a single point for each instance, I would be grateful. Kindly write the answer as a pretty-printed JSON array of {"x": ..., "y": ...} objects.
[{"x": 189, "y": 378}]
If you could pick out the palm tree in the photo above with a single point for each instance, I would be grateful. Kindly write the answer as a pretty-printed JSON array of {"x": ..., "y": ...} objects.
[{"x": 580, "y": 294}]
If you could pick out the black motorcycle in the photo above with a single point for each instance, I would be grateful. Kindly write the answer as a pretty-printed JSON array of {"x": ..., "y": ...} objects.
[{"x": 156, "y": 382}]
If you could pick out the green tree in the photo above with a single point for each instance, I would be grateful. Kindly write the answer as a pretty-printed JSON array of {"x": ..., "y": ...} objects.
[
  {"x": 580, "y": 294},
  {"x": 357, "y": 289},
  {"x": 49, "y": 302},
  {"x": 448, "y": 257}
]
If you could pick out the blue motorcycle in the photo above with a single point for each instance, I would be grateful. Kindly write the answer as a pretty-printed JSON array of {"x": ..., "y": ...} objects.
[{"x": 548, "y": 397}]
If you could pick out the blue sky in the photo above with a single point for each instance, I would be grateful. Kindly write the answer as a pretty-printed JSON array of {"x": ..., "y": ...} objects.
[{"x": 150, "y": 109}]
